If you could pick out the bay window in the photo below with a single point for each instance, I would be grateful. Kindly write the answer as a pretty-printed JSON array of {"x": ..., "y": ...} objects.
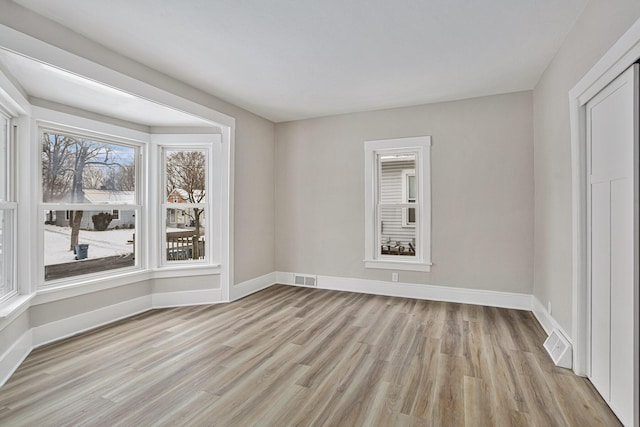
[{"x": 104, "y": 199}]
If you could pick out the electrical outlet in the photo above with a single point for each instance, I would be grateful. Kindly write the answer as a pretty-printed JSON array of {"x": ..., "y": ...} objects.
[
  {"x": 549, "y": 307},
  {"x": 394, "y": 277}
]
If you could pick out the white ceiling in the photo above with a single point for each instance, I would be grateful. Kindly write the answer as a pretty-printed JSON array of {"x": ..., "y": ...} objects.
[{"x": 293, "y": 59}]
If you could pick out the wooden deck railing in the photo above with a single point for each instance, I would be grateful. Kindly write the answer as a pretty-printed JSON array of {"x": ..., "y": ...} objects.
[{"x": 184, "y": 245}]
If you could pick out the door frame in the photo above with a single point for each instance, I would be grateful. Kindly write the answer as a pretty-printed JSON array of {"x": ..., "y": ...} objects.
[{"x": 624, "y": 53}]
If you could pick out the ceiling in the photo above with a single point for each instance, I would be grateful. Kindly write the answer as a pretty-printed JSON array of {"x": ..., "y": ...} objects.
[{"x": 293, "y": 59}]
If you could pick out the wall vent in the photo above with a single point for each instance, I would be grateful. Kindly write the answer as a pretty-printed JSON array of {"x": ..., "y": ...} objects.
[
  {"x": 305, "y": 280},
  {"x": 559, "y": 349}
]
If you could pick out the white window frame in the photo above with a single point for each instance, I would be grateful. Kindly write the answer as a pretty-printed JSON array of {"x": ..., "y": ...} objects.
[
  {"x": 211, "y": 144},
  {"x": 53, "y": 121},
  {"x": 421, "y": 147},
  {"x": 115, "y": 213},
  {"x": 406, "y": 173},
  {"x": 8, "y": 281}
]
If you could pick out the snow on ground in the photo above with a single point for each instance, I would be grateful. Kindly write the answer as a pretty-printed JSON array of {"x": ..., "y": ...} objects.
[{"x": 101, "y": 243}]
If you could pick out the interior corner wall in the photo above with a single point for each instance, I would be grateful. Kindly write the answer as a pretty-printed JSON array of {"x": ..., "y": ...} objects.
[
  {"x": 601, "y": 24},
  {"x": 482, "y": 192},
  {"x": 254, "y": 208}
]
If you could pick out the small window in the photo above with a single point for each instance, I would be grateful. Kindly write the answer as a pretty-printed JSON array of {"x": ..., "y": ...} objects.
[
  {"x": 398, "y": 204},
  {"x": 185, "y": 233},
  {"x": 115, "y": 214}
]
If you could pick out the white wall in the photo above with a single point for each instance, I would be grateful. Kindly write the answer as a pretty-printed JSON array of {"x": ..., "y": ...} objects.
[
  {"x": 254, "y": 210},
  {"x": 482, "y": 192},
  {"x": 600, "y": 25},
  {"x": 15, "y": 344},
  {"x": 42, "y": 314}
]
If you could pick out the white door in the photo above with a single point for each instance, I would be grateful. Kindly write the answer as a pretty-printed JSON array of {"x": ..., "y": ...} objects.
[{"x": 612, "y": 135}]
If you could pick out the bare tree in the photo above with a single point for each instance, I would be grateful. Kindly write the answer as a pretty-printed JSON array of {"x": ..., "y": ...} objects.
[
  {"x": 186, "y": 172},
  {"x": 64, "y": 162},
  {"x": 128, "y": 177},
  {"x": 122, "y": 178},
  {"x": 93, "y": 177},
  {"x": 57, "y": 156}
]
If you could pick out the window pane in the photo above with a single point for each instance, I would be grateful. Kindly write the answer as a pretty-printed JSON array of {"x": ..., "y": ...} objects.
[
  {"x": 392, "y": 185},
  {"x": 3, "y": 246},
  {"x": 185, "y": 234},
  {"x": 6, "y": 253},
  {"x": 411, "y": 193},
  {"x": 102, "y": 242},
  {"x": 394, "y": 238},
  {"x": 411, "y": 215},
  {"x": 186, "y": 175},
  {"x": 81, "y": 170},
  {"x": 4, "y": 143}
]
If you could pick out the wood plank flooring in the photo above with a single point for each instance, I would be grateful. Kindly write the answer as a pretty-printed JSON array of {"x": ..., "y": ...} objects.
[{"x": 291, "y": 356}]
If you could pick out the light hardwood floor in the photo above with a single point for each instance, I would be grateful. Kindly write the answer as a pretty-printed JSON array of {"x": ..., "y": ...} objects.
[{"x": 291, "y": 356}]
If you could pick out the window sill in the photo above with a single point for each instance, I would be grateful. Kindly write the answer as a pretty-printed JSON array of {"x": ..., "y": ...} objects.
[
  {"x": 83, "y": 286},
  {"x": 13, "y": 307},
  {"x": 397, "y": 265},
  {"x": 70, "y": 288},
  {"x": 185, "y": 270}
]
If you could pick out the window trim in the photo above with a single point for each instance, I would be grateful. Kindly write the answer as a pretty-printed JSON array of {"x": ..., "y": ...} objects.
[
  {"x": 54, "y": 121},
  {"x": 8, "y": 279},
  {"x": 9, "y": 274},
  {"x": 421, "y": 145},
  {"x": 211, "y": 145}
]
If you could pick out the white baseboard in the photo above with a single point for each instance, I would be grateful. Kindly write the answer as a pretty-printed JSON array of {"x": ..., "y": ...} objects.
[
  {"x": 47, "y": 333},
  {"x": 251, "y": 286},
  {"x": 194, "y": 297},
  {"x": 547, "y": 322},
  {"x": 419, "y": 291},
  {"x": 13, "y": 357},
  {"x": 73, "y": 325}
]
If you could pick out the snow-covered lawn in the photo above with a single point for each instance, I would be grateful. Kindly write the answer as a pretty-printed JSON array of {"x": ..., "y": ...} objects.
[{"x": 101, "y": 243}]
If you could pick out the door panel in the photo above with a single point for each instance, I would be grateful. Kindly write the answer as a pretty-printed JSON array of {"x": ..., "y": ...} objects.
[
  {"x": 600, "y": 294},
  {"x": 612, "y": 134},
  {"x": 622, "y": 295},
  {"x": 612, "y": 124}
]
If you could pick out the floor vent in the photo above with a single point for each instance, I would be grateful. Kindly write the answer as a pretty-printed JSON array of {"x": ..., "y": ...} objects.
[
  {"x": 559, "y": 349},
  {"x": 302, "y": 280}
]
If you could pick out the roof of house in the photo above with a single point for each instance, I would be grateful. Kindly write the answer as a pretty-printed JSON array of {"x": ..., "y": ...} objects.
[
  {"x": 109, "y": 196},
  {"x": 185, "y": 195}
]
